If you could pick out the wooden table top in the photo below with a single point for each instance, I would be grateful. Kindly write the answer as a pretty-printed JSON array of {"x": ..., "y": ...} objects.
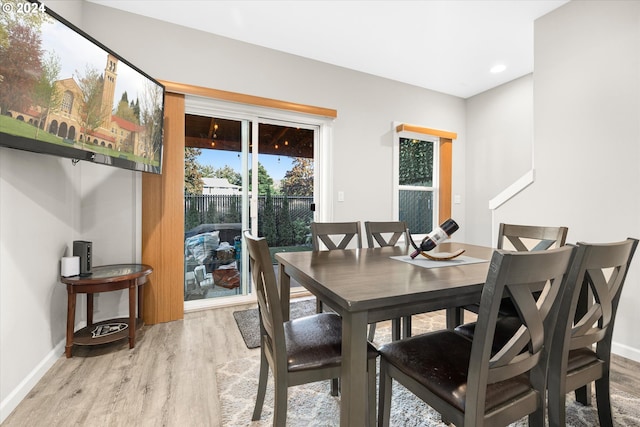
[
  {"x": 110, "y": 273},
  {"x": 369, "y": 279}
]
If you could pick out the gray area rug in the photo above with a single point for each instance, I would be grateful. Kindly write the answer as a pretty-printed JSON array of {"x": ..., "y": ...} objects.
[
  {"x": 249, "y": 323},
  {"x": 313, "y": 405}
]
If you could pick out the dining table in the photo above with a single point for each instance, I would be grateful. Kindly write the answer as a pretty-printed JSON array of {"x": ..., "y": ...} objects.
[{"x": 371, "y": 285}]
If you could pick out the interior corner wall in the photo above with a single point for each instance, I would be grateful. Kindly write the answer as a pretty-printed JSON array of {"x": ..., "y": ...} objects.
[
  {"x": 45, "y": 204},
  {"x": 587, "y": 137},
  {"x": 499, "y": 151}
]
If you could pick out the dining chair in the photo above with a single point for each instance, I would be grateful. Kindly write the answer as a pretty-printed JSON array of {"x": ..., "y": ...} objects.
[
  {"x": 585, "y": 319},
  {"x": 467, "y": 381},
  {"x": 298, "y": 351},
  {"x": 530, "y": 237},
  {"x": 523, "y": 238},
  {"x": 389, "y": 233},
  {"x": 332, "y": 236},
  {"x": 335, "y": 235}
]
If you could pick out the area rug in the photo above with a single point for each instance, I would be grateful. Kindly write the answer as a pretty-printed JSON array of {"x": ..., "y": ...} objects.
[
  {"x": 249, "y": 323},
  {"x": 313, "y": 405}
]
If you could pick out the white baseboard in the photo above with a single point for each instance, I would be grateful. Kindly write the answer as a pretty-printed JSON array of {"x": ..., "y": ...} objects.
[
  {"x": 625, "y": 351},
  {"x": 22, "y": 390}
]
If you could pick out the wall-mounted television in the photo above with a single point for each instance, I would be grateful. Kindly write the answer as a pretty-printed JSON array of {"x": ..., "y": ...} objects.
[{"x": 64, "y": 93}]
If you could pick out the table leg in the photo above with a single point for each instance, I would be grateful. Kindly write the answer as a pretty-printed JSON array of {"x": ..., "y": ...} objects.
[
  {"x": 140, "y": 302},
  {"x": 89, "y": 310},
  {"x": 285, "y": 291},
  {"x": 406, "y": 326},
  {"x": 132, "y": 313},
  {"x": 71, "y": 320},
  {"x": 353, "y": 402},
  {"x": 455, "y": 317}
]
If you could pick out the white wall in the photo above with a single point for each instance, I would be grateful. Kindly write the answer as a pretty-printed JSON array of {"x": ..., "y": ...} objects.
[
  {"x": 45, "y": 203},
  {"x": 587, "y": 137},
  {"x": 366, "y": 105},
  {"x": 500, "y": 135}
]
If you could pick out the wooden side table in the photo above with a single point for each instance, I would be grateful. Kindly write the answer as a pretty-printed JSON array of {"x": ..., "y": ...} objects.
[{"x": 105, "y": 278}]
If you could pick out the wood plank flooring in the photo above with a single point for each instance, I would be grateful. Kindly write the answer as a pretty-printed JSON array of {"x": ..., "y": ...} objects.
[{"x": 168, "y": 379}]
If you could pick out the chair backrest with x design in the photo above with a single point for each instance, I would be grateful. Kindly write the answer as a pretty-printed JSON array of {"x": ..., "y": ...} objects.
[
  {"x": 480, "y": 382},
  {"x": 586, "y": 318},
  {"x": 328, "y": 233},
  {"x": 516, "y": 275},
  {"x": 385, "y": 233},
  {"x": 530, "y": 237}
]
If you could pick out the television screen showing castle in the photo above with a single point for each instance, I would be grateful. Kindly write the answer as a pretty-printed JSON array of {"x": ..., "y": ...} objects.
[{"x": 60, "y": 87}]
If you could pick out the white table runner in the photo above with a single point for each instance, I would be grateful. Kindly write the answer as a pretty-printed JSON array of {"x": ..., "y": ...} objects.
[{"x": 421, "y": 261}]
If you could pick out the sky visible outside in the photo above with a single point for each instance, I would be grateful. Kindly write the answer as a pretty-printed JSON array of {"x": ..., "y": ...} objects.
[{"x": 276, "y": 166}]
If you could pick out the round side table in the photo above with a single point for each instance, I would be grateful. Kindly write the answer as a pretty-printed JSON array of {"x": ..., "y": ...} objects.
[{"x": 106, "y": 278}]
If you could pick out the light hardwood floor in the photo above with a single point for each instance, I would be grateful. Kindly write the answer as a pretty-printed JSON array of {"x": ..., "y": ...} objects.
[{"x": 168, "y": 379}]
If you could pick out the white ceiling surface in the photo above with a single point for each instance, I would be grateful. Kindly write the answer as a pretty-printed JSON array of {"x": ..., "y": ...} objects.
[{"x": 446, "y": 46}]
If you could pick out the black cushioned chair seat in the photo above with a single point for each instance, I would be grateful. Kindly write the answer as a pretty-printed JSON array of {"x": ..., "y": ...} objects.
[
  {"x": 316, "y": 341},
  {"x": 421, "y": 357},
  {"x": 505, "y": 328}
]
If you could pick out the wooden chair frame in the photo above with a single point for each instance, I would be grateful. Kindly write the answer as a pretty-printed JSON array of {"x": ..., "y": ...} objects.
[
  {"x": 381, "y": 234},
  {"x": 273, "y": 342},
  {"x": 586, "y": 318},
  {"x": 517, "y": 235},
  {"x": 513, "y": 274},
  {"x": 386, "y": 233},
  {"x": 321, "y": 232}
]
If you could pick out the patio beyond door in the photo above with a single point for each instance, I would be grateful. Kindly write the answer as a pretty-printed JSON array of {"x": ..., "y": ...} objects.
[{"x": 267, "y": 187}]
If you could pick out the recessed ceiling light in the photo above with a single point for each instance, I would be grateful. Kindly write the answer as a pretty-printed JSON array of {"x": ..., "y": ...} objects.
[{"x": 498, "y": 68}]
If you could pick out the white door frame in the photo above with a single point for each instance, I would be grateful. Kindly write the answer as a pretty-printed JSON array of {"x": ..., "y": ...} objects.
[{"x": 255, "y": 114}]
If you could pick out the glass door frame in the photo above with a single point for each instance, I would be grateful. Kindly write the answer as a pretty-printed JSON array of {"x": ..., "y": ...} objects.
[{"x": 255, "y": 115}]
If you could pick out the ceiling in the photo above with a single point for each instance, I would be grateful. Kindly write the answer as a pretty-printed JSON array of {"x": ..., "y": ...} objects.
[{"x": 447, "y": 46}]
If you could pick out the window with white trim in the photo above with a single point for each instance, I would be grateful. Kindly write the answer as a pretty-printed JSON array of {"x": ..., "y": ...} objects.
[
  {"x": 422, "y": 176},
  {"x": 417, "y": 182}
]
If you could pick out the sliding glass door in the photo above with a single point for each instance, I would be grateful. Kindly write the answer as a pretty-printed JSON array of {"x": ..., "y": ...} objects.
[
  {"x": 233, "y": 183},
  {"x": 215, "y": 206},
  {"x": 285, "y": 182}
]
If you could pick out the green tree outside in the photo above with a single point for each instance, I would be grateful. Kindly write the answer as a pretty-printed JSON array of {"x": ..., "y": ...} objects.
[
  {"x": 269, "y": 220},
  {"x": 230, "y": 174},
  {"x": 299, "y": 180},
  {"x": 285, "y": 227},
  {"x": 192, "y": 171},
  {"x": 265, "y": 182},
  {"x": 212, "y": 214},
  {"x": 234, "y": 214},
  {"x": 192, "y": 218}
]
